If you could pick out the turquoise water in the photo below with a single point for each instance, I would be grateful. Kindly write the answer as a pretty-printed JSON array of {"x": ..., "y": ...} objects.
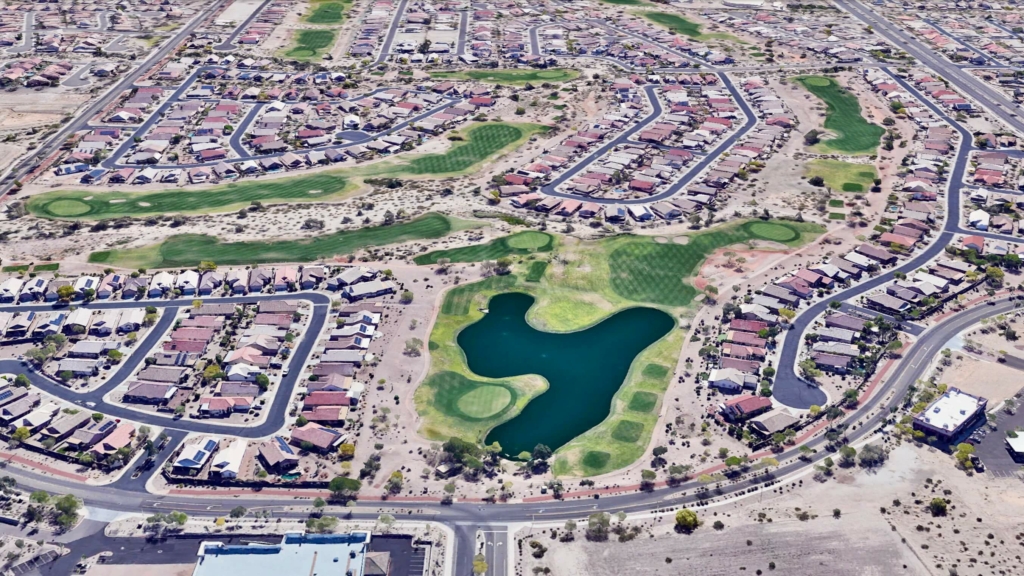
[{"x": 584, "y": 369}]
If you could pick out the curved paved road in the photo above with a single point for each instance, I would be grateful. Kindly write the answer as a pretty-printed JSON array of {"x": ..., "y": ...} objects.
[
  {"x": 124, "y": 496},
  {"x": 551, "y": 189},
  {"x": 277, "y": 414}
]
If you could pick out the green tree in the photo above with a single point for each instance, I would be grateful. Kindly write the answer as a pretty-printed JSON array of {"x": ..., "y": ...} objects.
[
  {"x": 541, "y": 452},
  {"x": 263, "y": 381},
  {"x": 937, "y": 507},
  {"x": 394, "y": 483},
  {"x": 479, "y": 564},
  {"x": 20, "y": 435},
  {"x": 598, "y": 525},
  {"x": 66, "y": 293},
  {"x": 212, "y": 373},
  {"x": 687, "y": 520},
  {"x": 238, "y": 512},
  {"x": 343, "y": 488},
  {"x": 39, "y": 497},
  {"x": 22, "y": 381}
]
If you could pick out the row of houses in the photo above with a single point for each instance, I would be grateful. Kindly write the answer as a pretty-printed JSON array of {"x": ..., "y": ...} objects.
[
  {"x": 67, "y": 429},
  {"x": 838, "y": 42},
  {"x": 656, "y": 165},
  {"x": 353, "y": 282},
  {"x": 923, "y": 289},
  {"x": 79, "y": 322},
  {"x": 375, "y": 23}
]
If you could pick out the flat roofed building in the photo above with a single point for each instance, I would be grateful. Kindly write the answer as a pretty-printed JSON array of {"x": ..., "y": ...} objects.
[
  {"x": 950, "y": 414},
  {"x": 322, "y": 554}
]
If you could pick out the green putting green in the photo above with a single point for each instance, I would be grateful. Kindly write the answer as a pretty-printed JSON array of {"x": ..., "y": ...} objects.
[
  {"x": 188, "y": 250},
  {"x": 460, "y": 397},
  {"x": 596, "y": 460},
  {"x": 655, "y": 371},
  {"x": 69, "y": 208},
  {"x": 643, "y": 401},
  {"x": 842, "y": 176},
  {"x": 310, "y": 44},
  {"x": 328, "y": 11},
  {"x": 510, "y": 76},
  {"x": 485, "y": 401},
  {"x": 518, "y": 243},
  {"x": 681, "y": 25},
  {"x": 854, "y": 134},
  {"x": 628, "y": 431},
  {"x": 481, "y": 141}
]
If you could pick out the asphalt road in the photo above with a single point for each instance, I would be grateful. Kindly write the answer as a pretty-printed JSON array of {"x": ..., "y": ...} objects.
[
  {"x": 650, "y": 91},
  {"x": 277, "y": 414},
  {"x": 229, "y": 43},
  {"x": 28, "y": 36},
  {"x": 81, "y": 120},
  {"x": 114, "y": 161},
  {"x": 385, "y": 49},
  {"x": 466, "y": 518},
  {"x": 985, "y": 95}
]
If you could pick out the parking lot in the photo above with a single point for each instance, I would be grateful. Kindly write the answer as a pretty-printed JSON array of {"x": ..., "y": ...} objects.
[
  {"x": 406, "y": 560},
  {"x": 992, "y": 449}
]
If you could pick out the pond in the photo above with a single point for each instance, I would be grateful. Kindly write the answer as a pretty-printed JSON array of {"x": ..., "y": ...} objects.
[{"x": 584, "y": 369}]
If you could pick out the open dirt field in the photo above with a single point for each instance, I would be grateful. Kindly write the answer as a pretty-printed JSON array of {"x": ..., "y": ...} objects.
[
  {"x": 883, "y": 528},
  {"x": 998, "y": 383}
]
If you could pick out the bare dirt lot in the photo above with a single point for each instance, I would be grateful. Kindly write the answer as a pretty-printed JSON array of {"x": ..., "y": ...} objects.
[{"x": 883, "y": 527}]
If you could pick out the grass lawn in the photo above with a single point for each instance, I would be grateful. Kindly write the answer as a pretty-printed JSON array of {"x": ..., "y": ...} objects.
[
  {"x": 536, "y": 271},
  {"x": 53, "y": 267},
  {"x": 836, "y": 216},
  {"x": 481, "y": 142},
  {"x": 625, "y": 2},
  {"x": 510, "y": 76},
  {"x": 327, "y": 11},
  {"x": 643, "y": 401},
  {"x": 584, "y": 283},
  {"x": 187, "y": 250},
  {"x": 854, "y": 134},
  {"x": 836, "y": 203},
  {"x": 310, "y": 44},
  {"x": 15, "y": 269},
  {"x": 842, "y": 176},
  {"x": 646, "y": 271},
  {"x": 681, "y": 25},
  {"x": 518, "y": 243}
]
